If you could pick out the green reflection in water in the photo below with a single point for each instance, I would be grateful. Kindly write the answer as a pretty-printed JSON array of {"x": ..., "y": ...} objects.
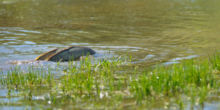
[
  {"x": 149, "y": 23},
  {"x": 164, "y": 28}
]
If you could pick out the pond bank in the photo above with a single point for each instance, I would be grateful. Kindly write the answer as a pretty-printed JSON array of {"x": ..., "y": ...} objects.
[{"x": 114, "y": 85}]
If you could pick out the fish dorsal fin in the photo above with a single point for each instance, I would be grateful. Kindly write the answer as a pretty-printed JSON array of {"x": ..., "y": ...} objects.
[
  {"x": 44, "y": 56},
  {"x": 58, "y": 52}
]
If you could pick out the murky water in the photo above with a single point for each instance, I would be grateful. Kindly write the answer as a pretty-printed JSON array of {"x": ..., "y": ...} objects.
[{"x": 149, "y": 30}]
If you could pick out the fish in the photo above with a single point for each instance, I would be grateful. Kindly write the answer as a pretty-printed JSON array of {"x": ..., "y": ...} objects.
[{"x": 67, "y": 54}]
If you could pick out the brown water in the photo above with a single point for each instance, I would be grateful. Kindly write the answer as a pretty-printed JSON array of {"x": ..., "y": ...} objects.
[{"x": 149, "y": 30}]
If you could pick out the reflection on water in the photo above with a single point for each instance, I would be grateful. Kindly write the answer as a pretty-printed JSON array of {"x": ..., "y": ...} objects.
[
  {"x": 165, "y": 29},
  {"x": 149, "y": 30}
]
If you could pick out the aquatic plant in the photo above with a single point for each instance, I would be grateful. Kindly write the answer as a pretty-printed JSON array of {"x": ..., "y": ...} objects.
[
  {"x": 110, "y": 83},
  {"x": 31, "y": 78}
]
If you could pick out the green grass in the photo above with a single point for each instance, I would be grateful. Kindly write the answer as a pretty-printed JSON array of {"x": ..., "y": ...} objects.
[
  {"x": 108, "y": 83},
  {"x": 19, "y": 79}
]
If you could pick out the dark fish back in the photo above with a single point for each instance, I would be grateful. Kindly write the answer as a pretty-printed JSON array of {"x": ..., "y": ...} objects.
[{"x": 71, "y": 53}]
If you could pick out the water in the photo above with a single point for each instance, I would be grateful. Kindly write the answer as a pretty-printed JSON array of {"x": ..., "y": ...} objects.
[{"x": 150, "y": 30}]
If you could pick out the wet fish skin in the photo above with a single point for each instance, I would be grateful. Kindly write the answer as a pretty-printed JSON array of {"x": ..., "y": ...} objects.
[
  {"x": 46, "y": 55},
  {"x": 71, "y": 54},
  {"x": 67, "y": 54}
]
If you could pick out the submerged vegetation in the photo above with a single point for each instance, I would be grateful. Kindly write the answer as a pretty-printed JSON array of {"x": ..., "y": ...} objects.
[{"x": 111, "y": 84}]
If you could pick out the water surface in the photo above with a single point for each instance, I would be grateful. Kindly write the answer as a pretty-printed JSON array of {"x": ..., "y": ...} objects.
[{"x": 151, "y": 31}]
